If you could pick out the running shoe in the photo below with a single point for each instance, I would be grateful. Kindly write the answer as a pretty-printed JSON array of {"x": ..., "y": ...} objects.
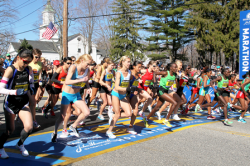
[
  {"x": 36, "y": 125},
  {"x": 227, "y": 122},
  {"x": 100, "y": 117},
  {"x": 53, "y": 137},
  {"x": 221, "y": 110},
  {"x": 55, "y": 107},
  {"x": 196, "y": 108},
  {"x": 45, "y": 113},
  {"x": 131, "y": 131},
  {"x": 229, "y": 105},
  {"x": 22, "y": 149},
  {"x": 242, "y": 120},
  {"x": 176, "y": 117},
  {"x": 142, "y": 114},
  {"x": 82, "y": 123},
  {"x": 158, "y": 115},
  {"x": 52, "y": 113},
  {"x": 110, "y": 135},
  {"x": 211, "y": 117},
  {"x": 145, "y": 121},
  {"x": 75, "y": 132},
  {"x": 3, "y": 154},
  {"x": 167, "y": 123},
  {"x": 64, "y": 133}
]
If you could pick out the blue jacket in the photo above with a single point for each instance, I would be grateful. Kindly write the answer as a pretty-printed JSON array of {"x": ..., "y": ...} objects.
[{"x": 6, "y": 63}]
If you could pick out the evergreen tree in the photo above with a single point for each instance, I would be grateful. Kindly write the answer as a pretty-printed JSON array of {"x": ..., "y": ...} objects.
[
  {"x": 126, "y": 39},
  {"x": 26, "y": 45},
  {"x": 167, "y": 28},
  {"x": 216, "y": 25}
]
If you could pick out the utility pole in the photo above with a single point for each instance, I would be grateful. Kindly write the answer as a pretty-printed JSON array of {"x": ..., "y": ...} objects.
[{"x": 65, "y": 28}]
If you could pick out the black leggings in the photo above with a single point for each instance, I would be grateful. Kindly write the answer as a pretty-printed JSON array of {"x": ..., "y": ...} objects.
[{"x": 10, "y": 128}]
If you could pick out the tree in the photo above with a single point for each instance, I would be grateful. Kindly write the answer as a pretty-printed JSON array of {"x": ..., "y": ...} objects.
[
  {"x": 26, "y": 45},
  {"x": 89, "y": 26},
  {"x": 7, "y": 15},
  {"x": 126, "y": 26},
  {"x": 166, "y": 27},
  {"x": 216, "y": 27}
]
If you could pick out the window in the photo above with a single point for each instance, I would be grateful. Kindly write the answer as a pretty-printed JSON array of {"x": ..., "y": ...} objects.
[{"x": 79, "y": 50}]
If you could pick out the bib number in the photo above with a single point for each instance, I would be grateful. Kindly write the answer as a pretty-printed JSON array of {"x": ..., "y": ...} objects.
[
  {"x": 124, "y": 84},
  {"x": 174, "y": 87},
  {"x": 25, "y": 87},
  {"x": 225, "y": 84},
  {"x": 36, "y": 77},
  {"x": 147, "y": 83},
  {"x": 63, "y": 79},
  {"x": 169, "y": 83},
  {"x": 109, "y": 76},
  {"x": 135, "y": 83}
]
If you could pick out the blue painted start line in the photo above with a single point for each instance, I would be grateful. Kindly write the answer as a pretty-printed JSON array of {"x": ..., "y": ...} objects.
[{"x": 93, "y": 140}]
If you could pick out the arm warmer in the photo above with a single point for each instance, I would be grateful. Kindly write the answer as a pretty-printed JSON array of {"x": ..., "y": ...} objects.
[
  {"x": 3, "y": 89},
  {"x": 53, "y": 79},
  {"x": 31, "y": 79}
]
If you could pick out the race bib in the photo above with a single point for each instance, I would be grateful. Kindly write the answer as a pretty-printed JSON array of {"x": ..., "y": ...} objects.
[
  {"x": 147, "y": 83},
  {"x": 25, "y": 87},
  {"x": 77, "y": 85},
  {"x": 174, "y": 87},
  {"x": 125, "y": 84},
  {"x": 184, "y": 84},
  {"x": 169, "y": 83},
  {"x": 83, "y": 84},
  {"x": 36, "y": 77},
  {"x": 225, "y": 84},
  {"x": 109, "y": 76},
  {"x": 135, "y": 83},
  {"x": 63, "y": 79}
]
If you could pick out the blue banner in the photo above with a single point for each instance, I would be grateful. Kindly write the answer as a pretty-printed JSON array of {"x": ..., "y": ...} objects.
[{"x": 244, "y": 42}]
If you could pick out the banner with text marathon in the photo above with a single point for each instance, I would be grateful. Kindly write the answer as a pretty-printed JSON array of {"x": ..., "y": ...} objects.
[{"x": 244, "y": 42}]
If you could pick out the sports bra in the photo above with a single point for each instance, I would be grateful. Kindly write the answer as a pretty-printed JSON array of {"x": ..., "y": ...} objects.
[
  {"x": 108, "y": 76},
  {"x": 75, "y": 76}
]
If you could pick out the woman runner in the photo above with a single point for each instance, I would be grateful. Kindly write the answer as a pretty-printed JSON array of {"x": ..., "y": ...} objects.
[
  {"x": 71, "y": 93},
  {"x": 15, "y": 84}
]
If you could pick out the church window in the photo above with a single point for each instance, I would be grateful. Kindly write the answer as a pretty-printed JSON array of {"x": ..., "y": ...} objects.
[{"x": 79, "y": 50}]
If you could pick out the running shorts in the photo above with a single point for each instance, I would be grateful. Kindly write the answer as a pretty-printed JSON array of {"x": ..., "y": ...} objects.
[
  {"x": 67, "y": 98},
  {"x": 120, "y": 96},
  {"x": 161, "y": 91},
  {"x": 103, "y": 89},
  {"x": 56, "y": 90},
  {"x": 48, "y": 87},
  {"x": 96, "y": 85},
  {"x": 13, "y": 104},
  {"x": 240, "y": 94},
  {"x": 195, "y": 90}
]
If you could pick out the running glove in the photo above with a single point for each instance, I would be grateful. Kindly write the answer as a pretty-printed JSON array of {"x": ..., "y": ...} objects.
[{"x": 20, "y": 92}]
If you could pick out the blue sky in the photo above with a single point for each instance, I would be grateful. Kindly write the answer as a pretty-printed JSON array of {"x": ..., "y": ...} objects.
[
  {"x": 26, "y": 23},
  {"x": 27, "y": 9}
]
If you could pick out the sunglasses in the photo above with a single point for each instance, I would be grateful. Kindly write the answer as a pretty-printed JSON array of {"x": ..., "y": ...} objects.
[
  {"x": 188, "y": 68},
  {"x": 37, "y": 57},
  {"x": 154, "y": 66},
  {"x": 25, "y": 61},
  {"x": 73, "y": 60},
  {"x": 69, "y": 63}
]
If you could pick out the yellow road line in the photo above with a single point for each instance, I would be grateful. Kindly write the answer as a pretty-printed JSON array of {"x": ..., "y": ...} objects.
[
  {"x": 40, "y": 154},
  {"x": 126, "y": 145}
]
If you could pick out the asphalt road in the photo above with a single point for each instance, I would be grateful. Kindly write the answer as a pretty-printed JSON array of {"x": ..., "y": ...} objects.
[{"x": 209, "y": 144}]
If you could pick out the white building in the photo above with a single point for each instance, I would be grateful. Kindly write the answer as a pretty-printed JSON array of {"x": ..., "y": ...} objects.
[{"x": 77, "y": 44}]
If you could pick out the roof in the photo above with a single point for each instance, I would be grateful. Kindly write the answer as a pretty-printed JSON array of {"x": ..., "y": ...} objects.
[
  {"x": 102, "y": 52},
  {"x": 73, "y": 36},
  {"x": 44, "y": 46},
  {"x": 48, "y": 7}
]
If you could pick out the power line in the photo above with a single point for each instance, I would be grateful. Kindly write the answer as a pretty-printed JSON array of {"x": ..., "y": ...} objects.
[
  {"x": 104, "y": 15},
  {"x": 23, "y": 17}
]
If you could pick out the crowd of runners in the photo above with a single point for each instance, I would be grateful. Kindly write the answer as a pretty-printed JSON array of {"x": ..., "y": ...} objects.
[{"x": 127, "y": 89}]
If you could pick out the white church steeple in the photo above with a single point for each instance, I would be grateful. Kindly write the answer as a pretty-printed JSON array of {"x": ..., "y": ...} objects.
[{"x": 48, "y": 16}]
